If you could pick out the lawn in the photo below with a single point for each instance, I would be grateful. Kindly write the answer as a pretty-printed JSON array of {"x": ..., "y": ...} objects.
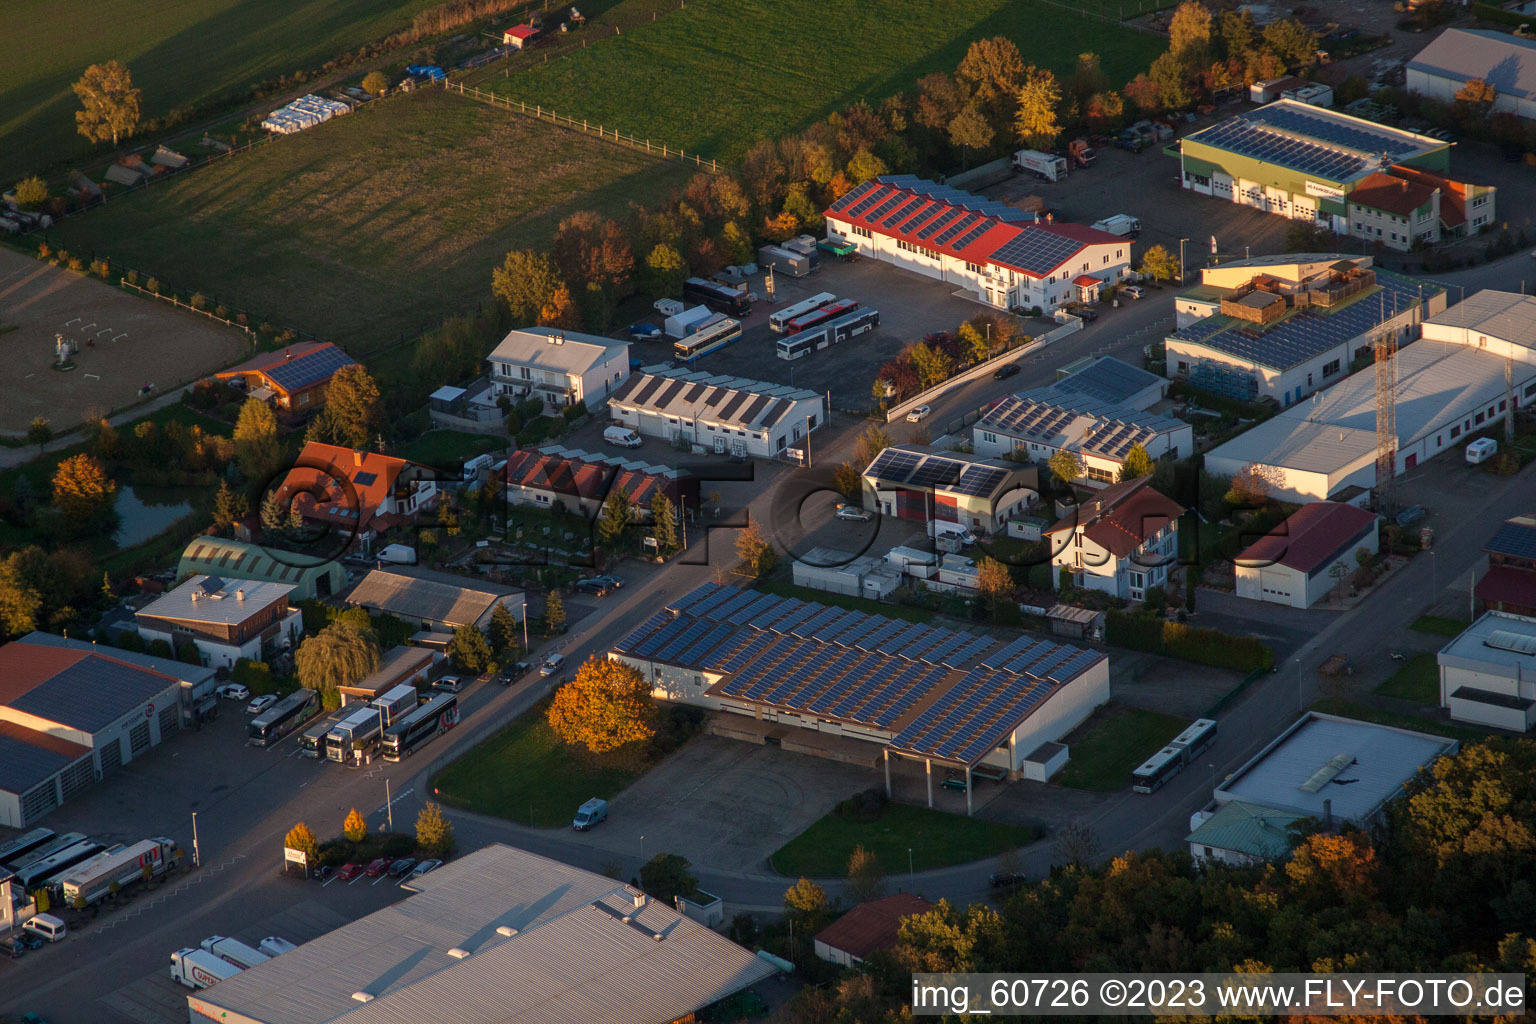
[
  {"x": 936, "y": 839},
  {"x": 1418, "y": 680},
  {"x": 526, "y": 775},
  {"x": 894, "y": 611},
  {"x": 444, "y": 449},
  {"x": 1439, "y": 625},
  {"x": 372, "y": 227},
  {"x": 1109, "y": 746},
  {"x": 180, "y": 54},
  {"x": 721, "y": 74}
]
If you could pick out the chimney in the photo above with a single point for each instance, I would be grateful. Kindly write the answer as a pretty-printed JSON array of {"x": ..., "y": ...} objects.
[
  {"x": 1328, "y": 814},
  {"x": 639, "y": 900},
  {"x": 194, "y": 595},
  {"x": 357, "y": 456},
  {"x": 287, "y": 354},
  {"x": 240, "y": 594},
  {"x": 1098, "y": 506}
]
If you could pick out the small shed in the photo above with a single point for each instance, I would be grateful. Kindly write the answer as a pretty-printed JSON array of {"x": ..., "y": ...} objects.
[
  {"x": 519, "y": 36},
  {"x": 1027, "y": 527},
  {"x": 867, "y": 928},
  {"x": 1044, "y": 762},
  {"x": 1076, "y": 623}
]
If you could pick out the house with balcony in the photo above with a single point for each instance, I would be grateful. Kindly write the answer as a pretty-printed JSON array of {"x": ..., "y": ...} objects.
[
  {"x": 1122, "y": 541},
  {"x": 350, "y": 490},
  {"x": 560, "y": 367}
]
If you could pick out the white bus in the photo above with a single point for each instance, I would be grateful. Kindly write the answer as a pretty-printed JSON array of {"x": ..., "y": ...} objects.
[
  {"x": 715, "y": 333},
  {"x": 1158, "y": 769},
  {"x": 1195, "y": 740},
  {"x": 778, "y": 320},
  {"x": 18, "y": 848},
  {"x": 420, "y": 726},
  {"x": 38, "y": 873},
  {"x": 831, "y": 333}
]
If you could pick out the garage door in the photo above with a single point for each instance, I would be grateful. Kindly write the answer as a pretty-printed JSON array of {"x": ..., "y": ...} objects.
[
  {"x": 111, "y": 757},
  {"x": 77, "y": 776},
  {"x": 39, "y": 802}
]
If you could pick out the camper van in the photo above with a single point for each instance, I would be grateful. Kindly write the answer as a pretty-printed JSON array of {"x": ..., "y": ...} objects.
[{"x": 1481, "y": 450}]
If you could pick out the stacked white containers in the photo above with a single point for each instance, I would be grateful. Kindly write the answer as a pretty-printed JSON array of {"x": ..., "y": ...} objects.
[{"x": 304, "y": 112}]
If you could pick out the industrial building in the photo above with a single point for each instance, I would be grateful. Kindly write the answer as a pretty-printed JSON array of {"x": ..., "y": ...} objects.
[
  {"x": 226, "y": 620},
  {"x": 1333, "y": 769},
  {"x": 398, "y": 666},
  {"x": 434, "y": 601},
  {"x": 1000, "y": 255},
  {"x": 789, "y": 668},
  {"x": 72, "y": 713},
  {"x": 846, "y": 573},
  {"x": 1283, "y": 327},
  {"x": 581, "y": 481},
  {"x": 309, "y": 576},
  {"x": 500, "y": 935},
  {"x": 1458, "y": 55},
  {"x": 1509, "y": 585},
  {"x": 1122, "y": 541},
  {"x": 1302, "y": 161},
  {"x": 1449, "y": 386},
  {"x": 559, "y": 367},
  {"x": 1098, "y": 413},
  {"x": 928, "y": 484},
  {"x": 1488, "y": 673},
  {"x": 1295, "y": 564},
  {"x": 721, "y": 414}
]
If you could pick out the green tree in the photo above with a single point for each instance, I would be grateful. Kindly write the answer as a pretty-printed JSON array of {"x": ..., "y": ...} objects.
[
  {"x": 1137, "y": 464},
  {"x": 229, "y": 506},
  {"x": 525, "y": 281},
  {"x": 933, "y": 365},
  {"x": 21, "y": 601},
  {"x": 605, "y": 706},
  {"x": 995, "y": 584},
  {"x": 1065, "y": 465},
  {"x": 31, "y": 192},
  {"x": 1292, "y": 42},
  {"x": 82, "y": 490},
  {"x": 1088, "y": 78},
  {"x": 807, "y": 906},
  {"x": 865, "y": 165},
  {"x": 1172, "y": 79},
  {"x": 870, "y": 443},
  {"x": 665, "y": 876},
  {"x": 617, "y": 516},
  {"x": 505, "y": 630},
  {"x": 866, "y": 879},
  {"x": 735, "y": 244},
  {"x": 434, "y": 832},
  {"x": 848, "y": 481},
  {"x": 258, "y": 452},
  {"x": 350, "y": 416},
  {"x": 992, "y": 70},
  {"x": 448, "y": 516},
  {"x": 1035, "y": 120},
  {"x": 664, "y": 523},
  {"x": 973, "y": 342},
  {"x": 39, "y": 432},
  {"x": 107, "y": 592},
  {"x": 1189, "y": 33},
  {"x": 110, "y": 103},
  {"x": 1160, "y": 263},
  {"x": 302, "y": 837},
  {"x": 970, "y": 130},
  {"x": 273, "y": 519},
  {"x": 1238, "y": 32},
  {"x": 355, "y": 828},
  {"x": 755, "y": 551},
  {"x": 665, "y": 271},
  {"x": 469, "y": 650},
  {"x": 376, "y": 82},
  {"x": 554, "y": 614},
  {"x": 339, "y": 655}
]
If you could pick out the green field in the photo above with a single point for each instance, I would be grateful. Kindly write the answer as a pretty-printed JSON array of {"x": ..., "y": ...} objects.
[
  {"x": 374, "y": 226},
  {"x": 445, "y": 448},
  {"x": 722, "y": 74},
  {"x": 1418, "y": 680},
  {"x": 1438, "y": 625},
  {"x": 935, "y": 839},
  {"x": 180, "y": 53},
  {"x": 1109, "y": 746}
]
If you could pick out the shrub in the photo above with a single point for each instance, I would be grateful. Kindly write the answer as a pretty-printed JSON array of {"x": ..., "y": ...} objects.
[
  {"x": 266, "y": 328},
  {"x": 100, "y": 268},
  {"x": 575, "y": 412},
  {"x": 152, "y": 285},
  {"x": 864, "y": 807},
  {"x": 287, "y": 336},
  {"x": 132, "y": 277},
  {"x": 220, "y": 312},
  {"x": 76, "y": 263},
  {"x": 675, "y": 725},
  {"x": 1177, "y": 640},
  {"x": 160, "y": 649},
  {"x": 129, "y": 640},
  {"x": 198, "y": 301}
]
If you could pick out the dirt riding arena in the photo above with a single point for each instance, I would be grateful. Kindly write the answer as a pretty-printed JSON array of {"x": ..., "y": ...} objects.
[{"x": 125, "y": 343}]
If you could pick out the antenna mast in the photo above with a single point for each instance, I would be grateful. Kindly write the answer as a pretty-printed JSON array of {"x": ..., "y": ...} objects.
[{"x": 1386, "y": 420}]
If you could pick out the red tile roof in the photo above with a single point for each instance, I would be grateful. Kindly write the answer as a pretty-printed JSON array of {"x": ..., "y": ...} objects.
[
  {"x": 522, "y": 31},
  {"x": 1453, "y": 194},
  {"x": 1396, "y": 195},
  {"x": 1507, "y": 584},
  {"x": 1313, "y": 536},
  {"x": 1086, "y": 280},
  {"x": 314, "y": 483},
  {"x": 545, "y": 471},
  {"x": 1121, "y": 517},
  {"x": 869, "y": 927}
]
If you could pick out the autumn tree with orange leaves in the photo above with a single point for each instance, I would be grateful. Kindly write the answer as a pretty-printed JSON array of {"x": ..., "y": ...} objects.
[{"x": 605, "y": 706}]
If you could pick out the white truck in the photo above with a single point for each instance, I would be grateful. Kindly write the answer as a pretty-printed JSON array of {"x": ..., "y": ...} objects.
[
  {"x": 235, "y": 951},
  {"x": 1120, "y": 224},
  {"x": 94, "y": 878},
  {"x": 197, "y": 968},
  {"x": 275, "y": 945},
  {"x": 1041, "y": 165}
]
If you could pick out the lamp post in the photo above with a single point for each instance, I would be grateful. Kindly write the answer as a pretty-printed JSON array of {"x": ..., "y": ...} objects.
[
  {"x": 1301, "y": 700},
  {"x": 911, "y": 875},
  {"x": 197, "y": 859},
  {"x": 1181, "y": 259},
  {"x": 1434, "y": 579},
  {"x": 389, "y": 807}
]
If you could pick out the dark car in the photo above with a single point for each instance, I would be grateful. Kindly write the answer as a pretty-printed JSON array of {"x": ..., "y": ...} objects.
[
  {"x": 1085, "y": 313},
  {"x": 1004, "y": 372},
  {"x": 401, "y": 866},
  {"x": 1007, "y": 880},
  {"x": 376, "y": 867},
  {"x": 26, "y": 940},
  {"x": 511, "y": 675},
  {"x": 12, "y": 949},
  {"x": 597, "y": 588}
]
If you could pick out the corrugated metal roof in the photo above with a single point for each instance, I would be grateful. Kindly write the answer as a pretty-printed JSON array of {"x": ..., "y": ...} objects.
[
  {"x": 418, "y": 598},
  {"x": 871, "y": 926},
  {"x": 27, "y": 757},
  {"x": 181, "y": 670},
  {"x": 729, "y": 401},
  {"x": 216, "y": 556},
  {"x": 1247, "y": 828},
  {"x": 1506, "y": 62},
  {"x": 1506, "y": 316},
  {"x": 570, "y": 961}
]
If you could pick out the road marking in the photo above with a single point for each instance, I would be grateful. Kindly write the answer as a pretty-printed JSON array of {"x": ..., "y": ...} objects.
[
  {"x": 328, "y": 881},
  {"x": 384, "y": 808},
  {"x": 382, "y": 878},
  {"x": 93, "y": 376},
  {"x": 104, "y": 330},
  {"x": 121, "y": 336},
  {"x": 359, "y": 878}
]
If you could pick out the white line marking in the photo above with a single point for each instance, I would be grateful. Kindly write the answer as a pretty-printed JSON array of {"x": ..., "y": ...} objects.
[
  {"x": 74, "y": 321},
  {"x": 104, "y": 330},
  {"x": 93, "y": 376},
  {"x": 120, "y": 336}
]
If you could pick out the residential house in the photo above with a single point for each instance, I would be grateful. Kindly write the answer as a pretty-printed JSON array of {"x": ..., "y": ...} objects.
[
  {"x": 581, "y": 481},
  {"x": 1509, "y": 585},
  {"x": 225, "y": 619},
  {"x": 560, "y": 367},
  {"x": 928, "y": 484},
  {"x": 357, "y": 492},
  {"x": 1122, "y": 541},
  {"x": 294, "y": 379},
  {"x": 867, "y": 928},
  {"x": 1306, "y": 556}
]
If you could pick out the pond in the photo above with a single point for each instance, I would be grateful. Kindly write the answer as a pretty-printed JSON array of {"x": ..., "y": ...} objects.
[{"x": 144, "y": 512}]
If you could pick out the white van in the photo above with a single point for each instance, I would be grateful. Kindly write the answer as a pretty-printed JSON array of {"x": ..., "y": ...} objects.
[
  {"x": 45, "y": 926},
  {"x": 589, "y": 814},
  {"x": 1481, "y": 450},
  {"x": 472, "y": 467},
  {"x": 624, "y": 437},
  {"x": 943, "y": 528}
]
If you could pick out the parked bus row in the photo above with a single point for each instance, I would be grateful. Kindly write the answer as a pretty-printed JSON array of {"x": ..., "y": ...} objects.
[
  {"x": 1180, "y": 752},
  {"x": 722, "y": 298},
  {"x": 78, "y": 869},
  {"x": 393, "y": 727},
  {"x": 831, "y": 332}
]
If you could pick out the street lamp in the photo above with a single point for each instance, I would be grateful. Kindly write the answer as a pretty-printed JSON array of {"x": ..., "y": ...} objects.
[
  {"x": 642, "y": 850},
  {"x": 1301, "y": 700},
  {"x": 912, "y": 875},
  {"x": 1434, "y": 579},
  {"x": 389, "y": 806},
  {"x": 1181, "y": 259},
  {"x": 197, "y": 860}
]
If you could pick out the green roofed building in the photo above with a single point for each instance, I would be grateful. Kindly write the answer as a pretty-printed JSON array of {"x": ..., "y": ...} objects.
[
  {"x": 232, "y": 559},
  {"x": 1241, "y": 833}
]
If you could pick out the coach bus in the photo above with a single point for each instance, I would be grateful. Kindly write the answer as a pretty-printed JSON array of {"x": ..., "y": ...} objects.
[
  {"x": 48, "y": 849},
  {"x": 778, "y": 319},
  {"x": 17, "y": 849},
  {"x": 831, "y": 311},
  {"x": 421, "y": 726},
  {"x": 283, "y": 717},
  {"x": 36, "y": 874},
  {"x": 721, "y": 298},
  {"x": 831, "y": 333},
  {"x": 312, "y": 740},
  {"x": 715, "y": 333}
]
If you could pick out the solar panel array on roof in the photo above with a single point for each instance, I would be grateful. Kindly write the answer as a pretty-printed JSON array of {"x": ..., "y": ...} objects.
[
  {"x": 894, "y": 464},
  {"x": 923, "y": 211},
  {"x": 1108, "y": 380},
  {"x": 854, "y": 195},
  {"x": 979, "y": 480},
  {"x": 1117, "y": 439},
  {"x": 938, "y": 222},
  {"x": 316, "y": 366},
  {"x": 1515, "y": 539},
  {"x": 969, "y": 220},
  {"x": 927, "y": 469},
  {"x": 1035, "y": 252}
]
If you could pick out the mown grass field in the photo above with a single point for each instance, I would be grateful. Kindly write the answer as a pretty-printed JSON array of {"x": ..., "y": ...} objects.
[
  {"x": 935, "y": 840},
  {"x": 1110, "y": 745},
  {"x": 374, "y": 226},
  {"x": 180, "y": 54},
  {"x": 722, "y": 74}
]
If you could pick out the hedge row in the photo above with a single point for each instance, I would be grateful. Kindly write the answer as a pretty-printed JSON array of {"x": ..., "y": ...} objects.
[
  {"x": 1488, "y": 12},
  {"x": 1191, "y": 643}
]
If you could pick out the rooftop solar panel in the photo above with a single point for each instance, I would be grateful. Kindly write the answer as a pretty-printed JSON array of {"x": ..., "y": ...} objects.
[
  {"x": 954, "y": 229},
  {"x": 973, "y": 234},
  {"x": 1036, "y": 251},
  {"x": 642, "y": 631},
  {"x": 857, "y": 209},
  {"x": 852, "y": 196},
  {"x": 309, "y": 369},
  {"x": 1001, "y": 657},
  {"x": 884, "y": 209},
  {"x": 938, "y": 223}
]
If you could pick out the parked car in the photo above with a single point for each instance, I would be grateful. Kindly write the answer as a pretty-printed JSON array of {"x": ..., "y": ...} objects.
[
  {"x": 349, "y": 872},
  {"x": 1087, "y": 315},
  {"x": 32, "y": 1018},
  {"x": 401, "y": 867},
  {"x": 597, "y": 588},
  {"x": 260, "y": 704},
  {"x": 916, "y": 415},
  {"x": 511, "y": 675},
  {"x": 448, "y": 684},
  {"x": 376, "y": 867},
  {"x": 26, "y": 940},
  {"x": 424, "y": 866},
  {"x": 613, "y": 581},
  {"x": 1004, "y": 372},
  {"x": 1135, "y": 291},
  {"x": 553, "y": 665},
  {"x": 853, "y": 513},
  {"x": 234, "y": 691},
  {"x": 1007, "y": 879},
  {"x": 323, "y": 873}
]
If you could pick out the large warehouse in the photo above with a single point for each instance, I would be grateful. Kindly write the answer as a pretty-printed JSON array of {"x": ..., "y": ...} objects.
[
  {"x": 1458, "y": 55},
  {"x": 498, "y": 935},
  {"x": 72, "y": 713},
  {"x": 1450, "y": 386},
  {"x": 1318, "y": 165},
  {"x": 720, "y": 414},
  {"x": 1000, "y": 255},
  {"x": 1282, "y": 327},
  {"x": 1488, "y": 673},
  {"x": 945, "y": 697}
]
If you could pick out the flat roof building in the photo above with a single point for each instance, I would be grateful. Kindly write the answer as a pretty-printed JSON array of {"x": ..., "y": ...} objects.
[
  {"x": 1488, "y": 673},
  {"x": 924, "y": 483},
  {"x": 434, "y": 600},
  {"x": 718, "y": 413},
  {"x": 498, "y": 935},
  {"x": 1458, "y": 55},
  {"x": 1326, "y": 767},
  {"x": 226, "y": 620}
]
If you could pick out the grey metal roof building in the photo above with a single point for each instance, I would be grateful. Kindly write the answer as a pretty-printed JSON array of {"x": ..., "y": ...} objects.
[
  {"x": 1325, "y": 765},
  {"x": 1488, "y": 673},
  {"x": 499, "y": 936},
  {"x": 1112, "y": 381},
  {"x": 747, "y": 417},
  {"x": 1458, "y": 55},
  {"x": 435, "y": 600}
]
